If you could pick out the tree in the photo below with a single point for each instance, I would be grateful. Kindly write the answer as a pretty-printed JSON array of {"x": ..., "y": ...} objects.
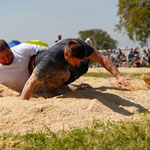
[
  {"x": 134, "y": 17},
  {"x": 101, "y": 39}
]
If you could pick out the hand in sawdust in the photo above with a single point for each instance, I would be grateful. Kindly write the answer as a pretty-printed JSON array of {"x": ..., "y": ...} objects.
[{"x": 122, "y": 81}]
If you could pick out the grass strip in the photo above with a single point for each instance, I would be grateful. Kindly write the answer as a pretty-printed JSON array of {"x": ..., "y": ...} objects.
[
  {"x": 122, "y": 135},
  {"x": 108, "y": 75}
]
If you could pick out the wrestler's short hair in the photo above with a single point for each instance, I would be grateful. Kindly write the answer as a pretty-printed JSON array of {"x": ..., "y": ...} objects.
[
  {"x": 3, "y": 45},
  {"x": 75, "y": 49}
]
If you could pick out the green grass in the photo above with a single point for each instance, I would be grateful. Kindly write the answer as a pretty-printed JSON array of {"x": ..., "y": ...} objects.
[
  {"x": 121, "y": 135},
  {"x": 108, "y": 75}
]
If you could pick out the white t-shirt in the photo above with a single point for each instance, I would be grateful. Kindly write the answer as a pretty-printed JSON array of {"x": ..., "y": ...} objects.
[{"x": 16, "y": 74}]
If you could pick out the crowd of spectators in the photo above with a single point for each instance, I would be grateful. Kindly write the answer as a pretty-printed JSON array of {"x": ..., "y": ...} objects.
[
  {"x": 124, "y": 58},
  {"x": 134, "y": 58},
  {"x": 116, "y": 56}
]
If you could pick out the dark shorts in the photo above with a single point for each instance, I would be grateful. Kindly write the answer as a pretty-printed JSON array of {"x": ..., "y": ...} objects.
[{"x": 52, "y": 78}]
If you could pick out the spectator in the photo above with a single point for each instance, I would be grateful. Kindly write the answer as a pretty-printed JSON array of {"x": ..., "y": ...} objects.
[
  {"x": 89, "y": 41},
  {"x": 131, "y": 56},
  {"x": 145, "y": 62},
  {"x": 123, "y": 59},
  {"x": 148, "y": 51},
  {"x": 137, "y": 61}
]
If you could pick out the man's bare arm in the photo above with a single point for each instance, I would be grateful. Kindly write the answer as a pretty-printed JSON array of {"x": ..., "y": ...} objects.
[
  {"x": 105, "y": 62},
  {"x": 29, "y": 87},
  {"x": 110, "y": 66}
]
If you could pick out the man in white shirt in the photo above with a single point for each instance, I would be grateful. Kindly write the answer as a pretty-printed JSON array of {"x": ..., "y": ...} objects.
[{"x": 14, "y": 64}]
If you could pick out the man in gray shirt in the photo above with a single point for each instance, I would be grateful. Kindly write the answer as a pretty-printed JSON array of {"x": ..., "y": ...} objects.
[{"x": 52, "y": 66}]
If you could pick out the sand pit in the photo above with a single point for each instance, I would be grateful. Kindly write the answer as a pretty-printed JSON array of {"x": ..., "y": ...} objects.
[{"x": 96, "y": 98}]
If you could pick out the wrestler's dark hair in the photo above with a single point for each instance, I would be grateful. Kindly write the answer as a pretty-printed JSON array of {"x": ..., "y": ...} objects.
[
  {"x": 3, "y": 45},
  {"x": 75, "y": 49}
]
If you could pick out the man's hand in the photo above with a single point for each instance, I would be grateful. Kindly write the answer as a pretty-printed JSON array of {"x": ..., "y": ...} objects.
[{"x": 122, "y": 81}]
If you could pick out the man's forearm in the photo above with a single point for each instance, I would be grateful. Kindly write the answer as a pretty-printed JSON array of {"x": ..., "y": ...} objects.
[
  {"x": 110, "y": 66},
  {"x": 27, "y": 91},
  {"x": 105, "y": 62},
  {"x": 29, "y": 87}
]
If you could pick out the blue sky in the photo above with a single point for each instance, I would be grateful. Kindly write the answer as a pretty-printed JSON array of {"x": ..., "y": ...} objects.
[{"x": 44, "y": 20}]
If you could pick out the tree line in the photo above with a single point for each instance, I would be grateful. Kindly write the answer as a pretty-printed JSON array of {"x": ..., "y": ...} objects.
[{"x": 134, "y": 20}]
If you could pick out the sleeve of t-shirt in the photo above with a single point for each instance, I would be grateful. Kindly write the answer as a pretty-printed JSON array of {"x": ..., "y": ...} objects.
[
  {"x": 42, "y": 70},
  {"x": 39, "y": 73}
]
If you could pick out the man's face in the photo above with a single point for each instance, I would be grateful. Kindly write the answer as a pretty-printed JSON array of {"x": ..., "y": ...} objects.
[
  {"x": 74, "y": 61},
  {"x": 6, "y": 56}
]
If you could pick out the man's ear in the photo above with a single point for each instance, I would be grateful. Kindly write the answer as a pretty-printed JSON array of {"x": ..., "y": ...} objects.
[{"x": 66, "y": 54}]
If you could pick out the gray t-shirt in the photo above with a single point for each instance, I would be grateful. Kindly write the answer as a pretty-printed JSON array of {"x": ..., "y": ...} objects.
[{"x": 51, "y": 66}]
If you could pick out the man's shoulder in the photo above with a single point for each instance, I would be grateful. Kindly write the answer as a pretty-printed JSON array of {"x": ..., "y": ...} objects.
[{"x": 20, "y": 46}]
